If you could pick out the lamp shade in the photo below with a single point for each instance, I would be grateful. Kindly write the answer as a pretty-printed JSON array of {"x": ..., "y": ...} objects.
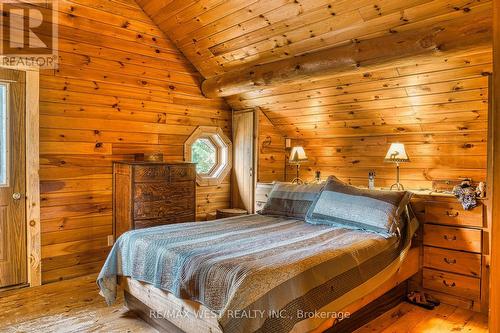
[
  {"x": 297, "y": 155},
  {"x": 397, "y": 153}
]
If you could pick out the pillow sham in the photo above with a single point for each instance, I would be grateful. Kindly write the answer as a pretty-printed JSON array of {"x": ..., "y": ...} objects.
[
  {"x": 346, "y": 205},
  {"x": 291, "y": 200}
]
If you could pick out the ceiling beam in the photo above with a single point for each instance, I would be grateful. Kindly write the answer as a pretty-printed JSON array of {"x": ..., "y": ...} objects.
[{"x": 472, "y": 31}]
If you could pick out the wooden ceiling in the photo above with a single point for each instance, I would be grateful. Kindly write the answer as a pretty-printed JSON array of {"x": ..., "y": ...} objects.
[
  {"x": 437, "y": 105},
  {"x": 218, "y": 36}
]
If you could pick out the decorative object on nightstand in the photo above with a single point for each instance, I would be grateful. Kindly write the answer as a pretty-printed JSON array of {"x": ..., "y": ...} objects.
[
  {"x": 317, "y": 177},
  {"x": 466, "y": 194},
  {"x": 397, "y": 154},
  {"x": 297, "y": 156},
  {"x": 371, "y": 180},
  {"x": 481, "y": 190}
]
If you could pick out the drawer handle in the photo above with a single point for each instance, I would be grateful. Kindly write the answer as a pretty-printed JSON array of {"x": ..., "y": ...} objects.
[
  {"x": 450, "y": 238},
  {"x": 453, "y": 284},
  {"x": 450, "y": 261},
  {"x": 450, "y": 214}
]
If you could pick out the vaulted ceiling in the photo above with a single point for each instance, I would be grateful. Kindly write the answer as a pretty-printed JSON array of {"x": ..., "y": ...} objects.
[
  {"x": 437, "y": 105},
  {"x": 218, "y": 36}
]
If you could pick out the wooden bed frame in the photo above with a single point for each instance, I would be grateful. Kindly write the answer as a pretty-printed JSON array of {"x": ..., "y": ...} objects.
[{"x": 154, "y": 305}]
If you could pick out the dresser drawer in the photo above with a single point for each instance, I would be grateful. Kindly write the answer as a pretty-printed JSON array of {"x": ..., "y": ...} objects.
[
  {"x": 453, "y": 214},
  {"x": 182, "y": 173},
  {"x": 162, "y": 191},
  {"x": 141, "y": 224},
  {"x": 453, "y": 261},
  {"x": 177, "y": 218},
  {"x": 162, "y": 209},
  {"x": 450, "y": 283},
  {"x": 452, "y": 238},
  {"x": 146, "y": 173}
]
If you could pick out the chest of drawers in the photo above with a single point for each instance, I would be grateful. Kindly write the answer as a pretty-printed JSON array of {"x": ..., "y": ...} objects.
[
  {"x": 453, "y": 262},
  {"x": 147, "y": 194}
]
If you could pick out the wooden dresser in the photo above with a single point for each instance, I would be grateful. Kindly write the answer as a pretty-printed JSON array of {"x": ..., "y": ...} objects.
[
  {"x": 147, "y": 194},
  {"x": 454, "y": 266}
]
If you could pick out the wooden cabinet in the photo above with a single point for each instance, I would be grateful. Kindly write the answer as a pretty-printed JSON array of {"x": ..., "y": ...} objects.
[
  {"x": 453, "y": 258},
  {"x": 147, "y": 194}
]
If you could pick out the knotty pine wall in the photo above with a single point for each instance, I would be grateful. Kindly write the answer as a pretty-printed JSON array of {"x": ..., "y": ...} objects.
[
  {"x": 121, "y": 88},
  {"x": 271, "y": 152},
  {"x": 438, "y": 109}
]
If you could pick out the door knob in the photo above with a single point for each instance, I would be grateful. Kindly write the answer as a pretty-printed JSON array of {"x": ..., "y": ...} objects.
[{"x": 16, "y": 195}]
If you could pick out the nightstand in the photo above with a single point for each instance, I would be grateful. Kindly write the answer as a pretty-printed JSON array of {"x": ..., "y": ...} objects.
[{"x": 453, "y": 252}]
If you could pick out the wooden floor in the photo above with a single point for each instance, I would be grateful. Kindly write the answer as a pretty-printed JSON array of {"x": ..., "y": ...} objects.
[
  {"x": 68, "y": 306},
  {"x": 75, "y": 306},
  {"x": 410, "y": 318}
]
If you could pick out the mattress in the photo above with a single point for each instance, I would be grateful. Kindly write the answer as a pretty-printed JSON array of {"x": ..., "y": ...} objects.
[{"x": 256, "y": 273}]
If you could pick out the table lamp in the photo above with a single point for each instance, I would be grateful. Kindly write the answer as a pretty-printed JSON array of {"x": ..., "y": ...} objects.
[
  {"x": 297, "y": 156},
  {"x": 397, "y": 154}
]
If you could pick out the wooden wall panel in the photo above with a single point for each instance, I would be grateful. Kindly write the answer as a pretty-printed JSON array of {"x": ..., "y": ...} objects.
[
  {"x": 122, "y": 88},
  {"x": 271, "y": 152},
  {"x": 439, "y": 110}
]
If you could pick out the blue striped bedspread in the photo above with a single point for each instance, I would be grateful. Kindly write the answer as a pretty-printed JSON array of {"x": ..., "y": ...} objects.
[{"x": 250, "y": 263}]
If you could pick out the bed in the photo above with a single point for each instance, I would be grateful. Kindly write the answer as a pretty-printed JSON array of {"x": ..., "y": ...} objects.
[{"x": 255, "y": 273}]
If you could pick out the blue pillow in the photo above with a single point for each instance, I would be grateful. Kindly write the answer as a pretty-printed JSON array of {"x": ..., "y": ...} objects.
[
  {"x": 291, "y": 200},
  {"x": 342, "y": 204}
]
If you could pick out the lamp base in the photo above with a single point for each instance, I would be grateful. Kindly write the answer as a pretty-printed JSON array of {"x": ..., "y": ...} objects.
[
  {"x": 297, "y": 179},
  {"x": 398, "y": 186}
]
